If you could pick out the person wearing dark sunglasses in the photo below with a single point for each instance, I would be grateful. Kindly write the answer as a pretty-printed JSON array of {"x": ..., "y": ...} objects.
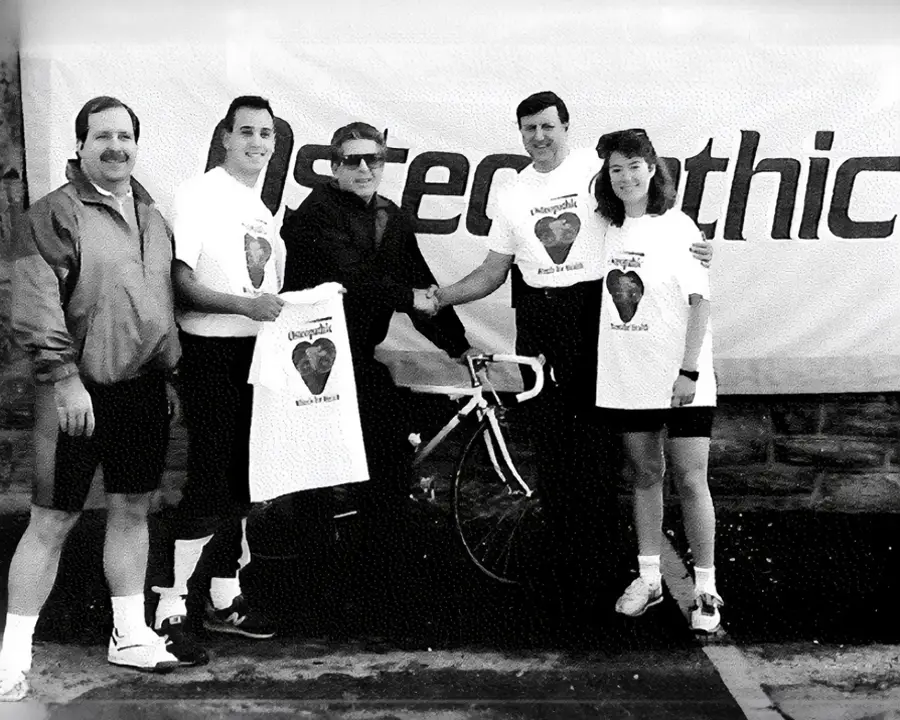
[
  {"x": 655, "y": 367},
  {"x": 345, "y": 232}
]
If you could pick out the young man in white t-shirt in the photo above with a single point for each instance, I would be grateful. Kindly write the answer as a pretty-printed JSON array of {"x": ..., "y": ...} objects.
[
  {"x": 228, "y": 269},
  {"x": 547, "y": 226}
]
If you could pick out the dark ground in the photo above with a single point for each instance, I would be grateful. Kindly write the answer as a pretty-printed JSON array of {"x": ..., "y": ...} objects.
[
  {"x": 386, "y": 582},
  {"x": 379, "y": 589},
  {"x": 362, "y": 583}
]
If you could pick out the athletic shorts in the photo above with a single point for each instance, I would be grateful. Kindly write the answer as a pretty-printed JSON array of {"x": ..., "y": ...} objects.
[
  {"x": 129, "y": 442},
  {"x": 680, "y": 422}
]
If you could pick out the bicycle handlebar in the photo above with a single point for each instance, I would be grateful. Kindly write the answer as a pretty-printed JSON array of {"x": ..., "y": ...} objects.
[{"x": 536, "y": 364}]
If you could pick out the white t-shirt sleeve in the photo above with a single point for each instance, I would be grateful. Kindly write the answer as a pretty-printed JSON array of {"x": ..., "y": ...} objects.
[
  {"x": 502, "y": 237},
  {"x": 189, "y": 219}
]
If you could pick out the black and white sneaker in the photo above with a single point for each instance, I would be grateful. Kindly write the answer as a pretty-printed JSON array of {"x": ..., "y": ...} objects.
[
  {"x": 238, "y": 619},
  {"x": 705, "y": 616},
  {"x": 142, "y": 649},
  {"x": 178, "y": 643}
]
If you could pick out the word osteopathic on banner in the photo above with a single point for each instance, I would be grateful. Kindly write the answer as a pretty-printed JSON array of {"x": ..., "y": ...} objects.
[{"x": 787, "y": 156}]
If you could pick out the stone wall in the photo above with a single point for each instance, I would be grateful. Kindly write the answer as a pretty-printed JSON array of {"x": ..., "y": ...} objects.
[
  {"x": 824, "y": 452},
  {"x": 15, "y": 411}
]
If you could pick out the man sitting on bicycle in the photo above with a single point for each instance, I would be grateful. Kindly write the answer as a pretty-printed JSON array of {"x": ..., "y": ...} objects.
[{"x": 344, "y": 231}]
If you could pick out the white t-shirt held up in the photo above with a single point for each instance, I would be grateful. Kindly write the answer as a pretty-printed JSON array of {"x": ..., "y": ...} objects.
[{"x": 305, "y": 432}]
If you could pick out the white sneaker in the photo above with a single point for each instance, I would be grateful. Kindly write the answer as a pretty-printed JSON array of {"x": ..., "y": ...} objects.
[
  {"x": 705, "y": 616},
  {"x": 638, "y": 597},
  {"x": 13, "y": 686},
  {"x": 142, "y": 649}
]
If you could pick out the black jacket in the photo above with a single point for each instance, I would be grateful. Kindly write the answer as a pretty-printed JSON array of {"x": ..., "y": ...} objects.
[{"x": 333, "y": 236}]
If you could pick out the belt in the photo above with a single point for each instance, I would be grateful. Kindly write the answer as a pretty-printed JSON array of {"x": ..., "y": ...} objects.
[{"x": 566, "y": 291}]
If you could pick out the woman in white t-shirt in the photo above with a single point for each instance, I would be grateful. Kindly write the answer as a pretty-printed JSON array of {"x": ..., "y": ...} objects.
[{"x": 655, "y": 368}]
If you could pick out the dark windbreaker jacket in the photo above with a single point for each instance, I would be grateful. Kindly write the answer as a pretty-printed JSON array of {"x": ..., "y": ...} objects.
[
  {"x": 90, "y": 295},
  {"x": 371, "y": 249}
]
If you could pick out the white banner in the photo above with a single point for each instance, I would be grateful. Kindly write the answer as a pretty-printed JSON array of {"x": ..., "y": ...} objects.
[{"x": 787, "y": 142}]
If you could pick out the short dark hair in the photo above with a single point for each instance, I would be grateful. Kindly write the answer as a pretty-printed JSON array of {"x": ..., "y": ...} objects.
[
  {"x": 533, "y": 104},
  {"x": 631, "y": 143},
  {"x": 354, "y": 131},
  {"x": 253, "y": 102},
  {"x": 98, "y": 105}
]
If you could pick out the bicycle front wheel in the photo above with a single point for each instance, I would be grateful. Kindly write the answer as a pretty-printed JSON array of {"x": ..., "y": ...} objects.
[{"x": 496, "y": 504}]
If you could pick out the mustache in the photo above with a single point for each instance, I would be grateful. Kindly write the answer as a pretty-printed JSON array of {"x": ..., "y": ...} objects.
[{"x": 113, "y": 156}]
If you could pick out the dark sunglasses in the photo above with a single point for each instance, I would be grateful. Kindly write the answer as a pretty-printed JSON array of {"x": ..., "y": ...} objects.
[
  {"x": 609, "y": 141},
  {"x": 372, "y": 160}
]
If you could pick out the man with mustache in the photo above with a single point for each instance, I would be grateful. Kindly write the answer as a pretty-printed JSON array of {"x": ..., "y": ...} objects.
[
  {"x": 557, "y": 294},
  {"x": 92, "y": 304},
  {"x": 228, "y": 269}
]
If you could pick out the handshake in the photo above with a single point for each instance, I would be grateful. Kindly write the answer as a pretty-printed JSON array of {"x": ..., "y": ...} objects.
[{"x": 427, "y": 300}]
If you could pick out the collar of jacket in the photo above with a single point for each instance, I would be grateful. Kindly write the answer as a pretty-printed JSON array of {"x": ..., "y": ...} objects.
[
  {"x": 377, "y": 202},
  {"x": 88, "y": 193}
]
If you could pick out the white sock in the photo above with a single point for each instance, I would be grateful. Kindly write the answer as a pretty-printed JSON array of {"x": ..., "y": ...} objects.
[
  {"x": 223, "y": 591},
  {"x": 705, "y": 581},
  {"x": 244, "y": 559},
  {"x": 649, "y": 569},
  {"x": 18, "y": 639},
  {"x": 171, "y": 600},
  {"x": 128, "y": 613},
  {"x": 170, "y": 604}
]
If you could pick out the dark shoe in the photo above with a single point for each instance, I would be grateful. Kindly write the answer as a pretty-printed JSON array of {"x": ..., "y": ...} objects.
[
  {"x": 238, "y": 619},
  {"x": 180, "y": 644}
]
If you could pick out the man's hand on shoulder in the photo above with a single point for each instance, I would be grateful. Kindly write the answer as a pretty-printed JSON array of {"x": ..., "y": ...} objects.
[
  {"x": 74, "y": 408},
  {"x": 264, "y": 308},
  {"x": 702, "y": 250}
]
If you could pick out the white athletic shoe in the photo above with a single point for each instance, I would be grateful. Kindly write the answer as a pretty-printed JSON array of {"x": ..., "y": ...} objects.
[
  {"x": 638, "y": 597},
  {"x": 705, "y": 616},
  {"x": 13, "y": 686},
  {"x": 142, "y": 649}
]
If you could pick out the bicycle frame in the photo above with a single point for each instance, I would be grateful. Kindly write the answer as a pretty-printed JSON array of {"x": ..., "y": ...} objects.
[{"x": 476, "y": 364}]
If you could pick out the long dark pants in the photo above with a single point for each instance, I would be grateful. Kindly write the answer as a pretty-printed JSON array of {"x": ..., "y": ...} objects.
[
  {"x": 216, "y": 402},
  {"x": 578, "y": 459}
]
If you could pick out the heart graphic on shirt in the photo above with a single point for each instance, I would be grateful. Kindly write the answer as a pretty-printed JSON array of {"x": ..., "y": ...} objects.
[
  {"x": 626, "y": 290},
  {"x": 257, "y": 250},
  {"x": 314, "y": 362},
  {"x": 557, "y": 234}
]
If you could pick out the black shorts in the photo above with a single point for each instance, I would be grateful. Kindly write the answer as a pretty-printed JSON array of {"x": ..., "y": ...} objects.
[
  {"x": 129, "y": 442},
  {"x": 680, "y": 422}
]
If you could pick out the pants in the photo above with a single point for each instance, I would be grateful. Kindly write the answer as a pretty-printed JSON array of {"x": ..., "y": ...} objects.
[
  {"x": 386, "y": 423},
  {"x": 217, "y": 402},
  {"x": 578, "y": 459}
]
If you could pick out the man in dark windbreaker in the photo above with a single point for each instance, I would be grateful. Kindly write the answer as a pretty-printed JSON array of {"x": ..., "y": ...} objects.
[
  {"x": 344, "y": 231},
  {"x": 93, "y": 306}
]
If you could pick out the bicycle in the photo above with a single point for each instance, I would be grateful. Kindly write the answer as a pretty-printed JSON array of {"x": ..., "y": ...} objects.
[
  {"x": 494, "y": 496},
  {"x": 491, "y": 493}
]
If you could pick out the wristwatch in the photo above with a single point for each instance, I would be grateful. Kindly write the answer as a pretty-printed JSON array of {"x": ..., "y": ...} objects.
[{"x": 690, "y": 374}]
